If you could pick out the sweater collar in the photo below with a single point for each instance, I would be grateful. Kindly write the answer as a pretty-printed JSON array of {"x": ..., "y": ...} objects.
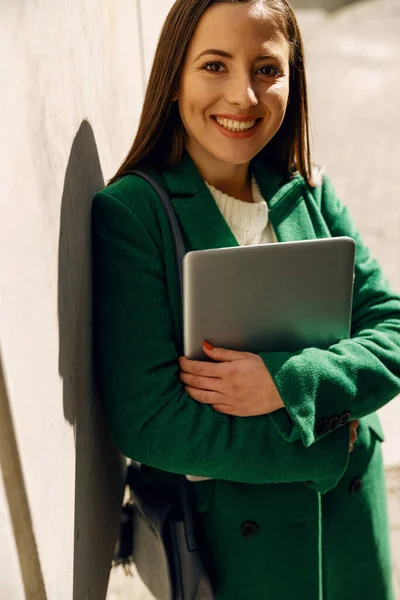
[
  {"x": 246, "y": 219},
  {"x": 205, "y": 227}
]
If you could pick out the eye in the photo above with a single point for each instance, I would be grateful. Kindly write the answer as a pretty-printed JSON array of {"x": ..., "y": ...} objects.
[
  {"x": 214, "y": 67},
  {"x": 269, "y": 71}
]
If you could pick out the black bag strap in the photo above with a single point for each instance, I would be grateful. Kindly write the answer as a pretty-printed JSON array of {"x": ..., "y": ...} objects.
[
  {"x": 179, "y": 254},
  {"x": 173, "y": 221}
]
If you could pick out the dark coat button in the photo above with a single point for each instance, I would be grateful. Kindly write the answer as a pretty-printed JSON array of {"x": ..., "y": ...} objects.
[
  {"x": 355, "y": 486},
  {"x": 322, "y": 426},
  {"x": 344, "y": 417},
  {"x": 333, "y": 423},
  {"x": 249, "y": 529}
]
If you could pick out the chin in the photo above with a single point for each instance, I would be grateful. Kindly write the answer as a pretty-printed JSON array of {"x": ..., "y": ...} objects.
[{"x": 236, "y": 157}]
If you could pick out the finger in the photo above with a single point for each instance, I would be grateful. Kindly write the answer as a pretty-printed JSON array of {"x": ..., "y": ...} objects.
[
  {"x": 203, "y": 383},
  {"x": 351, "y": 448},
  {"x": 223, "y": 354},
  {"x": 203, "y": 396},
  {"x": 199, "y": 367}
]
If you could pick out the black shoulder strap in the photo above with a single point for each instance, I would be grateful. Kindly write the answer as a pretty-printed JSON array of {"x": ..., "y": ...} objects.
[
  {"x": 173, "y": 221},
  {"x": 179, "y": 254}
]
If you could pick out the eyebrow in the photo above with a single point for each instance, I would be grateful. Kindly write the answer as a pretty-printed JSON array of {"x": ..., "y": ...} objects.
[{"x": 228, "y": 55}]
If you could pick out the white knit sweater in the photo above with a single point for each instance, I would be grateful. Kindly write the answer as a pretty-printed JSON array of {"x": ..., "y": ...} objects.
[{"x": 249, "y": 223}]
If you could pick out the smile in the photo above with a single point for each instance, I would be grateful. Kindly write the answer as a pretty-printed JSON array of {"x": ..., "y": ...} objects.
[
  {"x": 238, "y": 126},
  {"x": 237, "y": 129}
]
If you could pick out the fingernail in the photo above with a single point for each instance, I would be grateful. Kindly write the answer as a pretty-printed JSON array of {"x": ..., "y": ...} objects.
[{"x": 208, "y": 346}]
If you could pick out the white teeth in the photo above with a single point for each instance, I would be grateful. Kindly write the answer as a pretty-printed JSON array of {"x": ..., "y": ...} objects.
[{"x": 235, "y": 125}]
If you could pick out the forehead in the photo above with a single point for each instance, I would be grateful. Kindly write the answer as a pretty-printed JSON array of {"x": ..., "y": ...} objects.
[{"x": 240, "y": 28}]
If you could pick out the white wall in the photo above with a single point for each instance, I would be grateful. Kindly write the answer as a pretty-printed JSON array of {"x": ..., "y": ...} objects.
[{"x": 71, "y": 94}]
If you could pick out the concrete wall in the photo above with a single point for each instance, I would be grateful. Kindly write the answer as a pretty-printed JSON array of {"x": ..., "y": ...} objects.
[{"x": 71, "y": 94}]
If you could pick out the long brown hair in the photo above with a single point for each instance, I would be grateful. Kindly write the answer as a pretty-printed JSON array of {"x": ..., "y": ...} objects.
[{"x": 160, "y": 138}]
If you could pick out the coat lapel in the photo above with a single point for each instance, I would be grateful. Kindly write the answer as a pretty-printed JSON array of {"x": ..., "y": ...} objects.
[
  {"x": 288, "y": 203},
  {"x": 204, "y": 226},
  {"x": 202, "y": 223}
]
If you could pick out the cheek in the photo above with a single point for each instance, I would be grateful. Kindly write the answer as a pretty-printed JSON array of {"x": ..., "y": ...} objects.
[
  {"x": 185, "y": 107},
  {"x": 196, "y": 96},
  {"x": 187, "y": 101},
  {"x": 277, "y": 96}
]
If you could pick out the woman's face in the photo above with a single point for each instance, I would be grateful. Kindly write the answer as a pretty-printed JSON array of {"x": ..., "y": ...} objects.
[{"x": 234, "y": 86}]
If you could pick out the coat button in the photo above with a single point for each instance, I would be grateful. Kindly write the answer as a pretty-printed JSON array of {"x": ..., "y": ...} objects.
[
  {"x": 333, "y": 423},
  {"x": 249, "y": 529},
  {"x": 355, "y": 486},
  {"x": 344, "y": 417},
  {"x": 322, "y": 426}
]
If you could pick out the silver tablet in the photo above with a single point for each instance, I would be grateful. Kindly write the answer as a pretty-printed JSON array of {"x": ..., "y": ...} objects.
[{"x": 271, "y": 297}]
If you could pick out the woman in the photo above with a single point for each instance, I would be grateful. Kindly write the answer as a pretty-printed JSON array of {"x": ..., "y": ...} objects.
[{"x": 291, "y": 506}]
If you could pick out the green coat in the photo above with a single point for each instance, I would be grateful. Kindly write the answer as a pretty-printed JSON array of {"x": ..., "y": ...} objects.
[{"x": 285, "y": 516}]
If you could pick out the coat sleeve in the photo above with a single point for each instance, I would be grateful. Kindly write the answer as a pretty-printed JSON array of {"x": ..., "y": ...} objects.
[
  {"x": 150, "y": 416},
  {"x": 357, "y": 375}
]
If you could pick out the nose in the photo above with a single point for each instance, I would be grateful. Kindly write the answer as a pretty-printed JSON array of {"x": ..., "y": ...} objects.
[{"x": 241, "y": 92}]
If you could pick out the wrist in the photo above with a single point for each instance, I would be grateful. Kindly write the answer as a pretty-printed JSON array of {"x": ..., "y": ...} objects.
[
  {"x": 278, "y": 402},
  {"x": 274, "y": 401}
]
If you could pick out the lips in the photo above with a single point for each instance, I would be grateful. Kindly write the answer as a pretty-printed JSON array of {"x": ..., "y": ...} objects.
[
  {"x": 239, "y": 118},
  {"x": 237, "y": 124},
  {"x": 235, "y": 128}
]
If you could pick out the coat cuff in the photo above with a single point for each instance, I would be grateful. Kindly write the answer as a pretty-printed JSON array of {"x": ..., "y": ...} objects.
[{"x": 294, "y": 378}]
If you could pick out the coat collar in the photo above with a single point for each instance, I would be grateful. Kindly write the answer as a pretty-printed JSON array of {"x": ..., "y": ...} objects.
[{"x": 200, "y": 218}]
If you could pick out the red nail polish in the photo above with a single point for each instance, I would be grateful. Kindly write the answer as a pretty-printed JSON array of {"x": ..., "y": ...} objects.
[{"x": 209, "y": 346}]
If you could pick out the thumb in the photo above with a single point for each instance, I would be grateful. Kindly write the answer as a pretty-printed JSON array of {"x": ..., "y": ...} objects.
[{"x": 222, "y": 354}]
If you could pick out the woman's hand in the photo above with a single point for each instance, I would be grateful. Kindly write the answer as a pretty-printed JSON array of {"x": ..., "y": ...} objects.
[{"x": 237, "y": 383}]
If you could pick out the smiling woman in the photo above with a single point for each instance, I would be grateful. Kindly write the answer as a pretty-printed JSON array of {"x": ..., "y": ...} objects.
[
  {"x": 161, "y": 137},
  {"x": 283, "y": 449},
  {"x": 236, "y": 92}
]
